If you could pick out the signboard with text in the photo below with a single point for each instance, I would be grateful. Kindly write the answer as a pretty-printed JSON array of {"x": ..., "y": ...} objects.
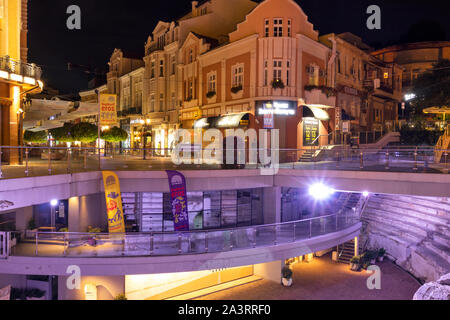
[
  {"x": 108, "y": 109},
  {"x": 178, "y": 196}
]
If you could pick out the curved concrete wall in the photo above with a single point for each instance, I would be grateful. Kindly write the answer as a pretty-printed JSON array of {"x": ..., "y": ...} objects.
[
  {"x": 36, "y": 190},
  {"x": 151, "y": 265},
  {"x": 413, "y": 230}
]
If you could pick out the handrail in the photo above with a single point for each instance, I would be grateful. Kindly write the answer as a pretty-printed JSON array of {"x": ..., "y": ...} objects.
[{"x": 178, "y": 243}]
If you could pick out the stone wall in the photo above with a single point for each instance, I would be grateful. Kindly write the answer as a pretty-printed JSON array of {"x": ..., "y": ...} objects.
[{"x": 413, "y": 230}]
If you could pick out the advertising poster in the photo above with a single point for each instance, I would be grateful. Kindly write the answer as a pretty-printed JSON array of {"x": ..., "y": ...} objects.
[
  {"x": 108, "y": 109},
  {"x": 178, "y": 196},
  {"x": 116, "y": 222}
]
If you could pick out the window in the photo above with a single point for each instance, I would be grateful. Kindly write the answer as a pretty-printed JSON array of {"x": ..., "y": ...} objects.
[
  {"x": 173, "y": 64},
  {"x": 174, "y": 101},
  {"x": 161, "y": 68},
  {"x": 313, "y": 75},
  {"x": 266, "y": 73},
  {"x": 266, "y": 28},
  {"x": 212, "y": 82},
  {"x": 339, "y": 64},
  {"x": 278, "y": 27},
  {"x": 152, "y": 70},
  {"x": 191, "y": 55},
  {"x": 288, "y": 67},
  {"x": 152, "y": 103},
  {"x": 237, "y": 73},
  {"x": 190, "y": 89},
  {"x": 289, "y": 28},
  {"x": 277, "y": 68},
  {"x": 161, "y": 102}
]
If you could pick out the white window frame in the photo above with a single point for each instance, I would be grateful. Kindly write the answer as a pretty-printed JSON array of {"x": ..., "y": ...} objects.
[
  {"x": 237, "y": 75},
  {"x": 278, "y": 27},
  {"x": 212, "y": 81},
  {"x": 277, "y": 70}
]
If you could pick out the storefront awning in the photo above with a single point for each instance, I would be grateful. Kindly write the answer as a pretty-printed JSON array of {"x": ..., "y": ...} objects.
[
  {"x": 228, "y": 121},
  {"x": 315, "y": 112}
]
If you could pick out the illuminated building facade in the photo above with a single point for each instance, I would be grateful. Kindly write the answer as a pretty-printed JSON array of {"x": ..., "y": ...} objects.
[{"x": 17, "y": 77}]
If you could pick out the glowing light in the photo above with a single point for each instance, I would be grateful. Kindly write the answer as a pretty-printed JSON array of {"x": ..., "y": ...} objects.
[
  {"x": 366, "y": 194},
  {"x": 16, "y": 77},
  {"x": 320, "y": 192},
  {"x": 54, "y": 203},
  {"x": 4, "y": 75},
  {"x": 29, "y": 80},
  {"x": 409, "y": 96}
]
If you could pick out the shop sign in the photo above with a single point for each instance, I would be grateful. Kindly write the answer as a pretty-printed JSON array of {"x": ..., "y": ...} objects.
[
  {"x": 345, "y": 126},
  {"x": 310, "y": 132},
  {"x": 277, "y": 108}
]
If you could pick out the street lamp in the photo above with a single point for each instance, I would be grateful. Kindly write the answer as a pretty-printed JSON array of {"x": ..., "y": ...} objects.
[
  {"x": 320, "y": 191},
  {"x": 53, "y": 205}
]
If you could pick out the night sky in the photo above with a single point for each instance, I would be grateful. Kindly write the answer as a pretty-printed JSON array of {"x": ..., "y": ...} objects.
[{"x": 109, "y": 24}]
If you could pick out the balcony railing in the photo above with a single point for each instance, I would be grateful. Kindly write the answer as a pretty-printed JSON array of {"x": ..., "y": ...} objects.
[
  {"x": 86, "y": 245},
  {"x": 44, "y": 161},
  {"x": 21, "y": 68}
]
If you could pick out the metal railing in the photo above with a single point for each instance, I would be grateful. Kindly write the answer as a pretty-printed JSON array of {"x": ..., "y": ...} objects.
[
  {"x": 50, "y": 244},
  {"x": 42, "y": 161},
  {"x": 19, "y": 67}
]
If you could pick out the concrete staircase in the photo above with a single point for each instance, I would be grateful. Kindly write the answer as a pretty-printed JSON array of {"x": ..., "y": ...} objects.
[
  {"x": 346, "y": 252},
  {"x": 307, "y": 156},
  {"x": 413, "y": 230}
]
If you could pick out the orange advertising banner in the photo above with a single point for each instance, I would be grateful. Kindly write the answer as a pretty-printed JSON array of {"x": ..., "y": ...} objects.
[
  {"x": 116, "y": 222},
  {"x": 108, "y": 109}
]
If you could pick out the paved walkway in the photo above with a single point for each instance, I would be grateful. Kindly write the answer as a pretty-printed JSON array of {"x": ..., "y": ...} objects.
[{"x": 323, "y": 279}]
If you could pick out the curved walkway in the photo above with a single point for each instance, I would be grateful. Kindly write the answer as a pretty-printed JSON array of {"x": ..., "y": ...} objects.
[{"x": 324, "y": 279}]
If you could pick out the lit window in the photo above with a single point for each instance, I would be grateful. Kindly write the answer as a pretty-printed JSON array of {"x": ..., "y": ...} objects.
[
  {"x": 277, "y": 69},
  {"x": 237, "y": 75},
  {"x": 212, "y": 82}
]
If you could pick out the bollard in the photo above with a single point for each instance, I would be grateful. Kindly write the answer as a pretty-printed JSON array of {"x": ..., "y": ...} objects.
[
  {"x": 85, "y": 158},
  {"x": 387, "y": 160},
  {"x": 415, "y": 160},
  {"x": 361, "y": 160},
  {"x": 26, "y": 161},
  {"x": 49, "y": 161}
]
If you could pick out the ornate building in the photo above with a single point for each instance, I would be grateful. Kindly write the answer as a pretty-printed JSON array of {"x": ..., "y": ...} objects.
[{"x": 17, "y": 77}]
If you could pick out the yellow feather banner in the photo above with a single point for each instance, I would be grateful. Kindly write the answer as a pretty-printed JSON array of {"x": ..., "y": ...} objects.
[{"x": 116, "y": 222}]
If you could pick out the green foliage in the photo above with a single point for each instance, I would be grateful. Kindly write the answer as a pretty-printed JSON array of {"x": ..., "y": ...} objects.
[
  {"x": 94, "y": 230},
  {"x": 286, "y": 272},
  {"x": 35, "y": 137},
  {"x": 63, "y": 134},
  {"x": 355, "y": 260},
  {"x": 121, "y": 297},
  {"x": 418, "y": 135},
  {"x": 85, "y": 132},
  {"x": 114, "y": 135},
  {"x": 278, "y": 84},
  {"x": 210, "y": 94},
  {"x": 32, "y": 224},
  {"x": 236, "y": 89},
  {"x": 329, "y": 92},
  {"x": 432, "y": 89},
  {"x": 64, "y": 230}
]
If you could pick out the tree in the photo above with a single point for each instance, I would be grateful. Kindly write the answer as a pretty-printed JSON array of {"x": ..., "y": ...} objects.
[
  {"x": 114, "y": 135},
  {"x": 432, "y": 89},
  {"x": 63, "y": 134},
  {"x": 85, "y": 132},
  {"x": 35, "y": 137}
]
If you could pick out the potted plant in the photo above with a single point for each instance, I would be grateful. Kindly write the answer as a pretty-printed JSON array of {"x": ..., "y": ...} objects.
[
  {"x": 210, "y": 94},
  {"x": 373, "y": 254},
  {"x": 355, "y": 263},
  {"x": 286, "y": 279},
  {"x": 381, "y": 253},
  {"x": 121, "y": 296},
  {"x": 236, "y": 89},
  {"x": 278, "y": 84}
]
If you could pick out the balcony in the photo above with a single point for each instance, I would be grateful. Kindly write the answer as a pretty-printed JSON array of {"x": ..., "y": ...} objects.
[{"x": 23, "y": 73}]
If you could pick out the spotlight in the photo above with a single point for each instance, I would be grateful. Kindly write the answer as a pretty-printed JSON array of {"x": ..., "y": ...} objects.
[
  {"x": 366, "y": 194},
  {"x": 320, "y": 192},
  {"x": 54, "y": 203}
]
